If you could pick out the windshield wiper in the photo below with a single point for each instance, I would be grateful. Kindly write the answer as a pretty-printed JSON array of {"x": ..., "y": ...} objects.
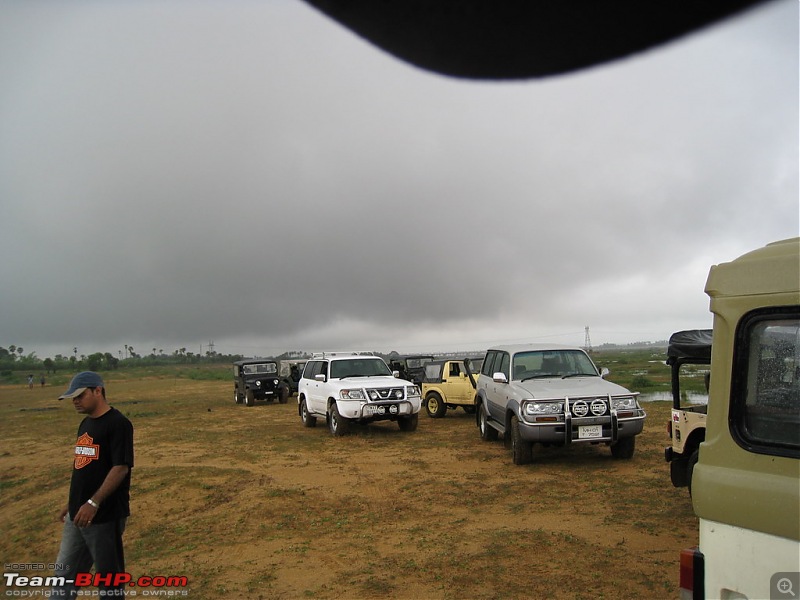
[
  {"x": 542, "y": 376},
  {"x": 579, "y": 375}
]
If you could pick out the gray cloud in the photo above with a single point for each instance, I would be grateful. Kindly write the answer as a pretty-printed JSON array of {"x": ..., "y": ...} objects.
[{"x": 256, "y": 175}]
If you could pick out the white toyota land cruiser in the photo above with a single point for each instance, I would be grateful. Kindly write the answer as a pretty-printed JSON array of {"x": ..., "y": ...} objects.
[{"x": 344, "y": 387}]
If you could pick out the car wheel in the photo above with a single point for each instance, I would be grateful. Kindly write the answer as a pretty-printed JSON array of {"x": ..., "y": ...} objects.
[
  {"x": 283, "y": 396},
  {"x": 521, "y": 450},
  {"x": 434, "y": 406},
  {"x": 249, "y": 398},
  {"x": 237, "y": 397},
  {"x": 693, "y": 458},
  {"x": 305, "y": 416},
  {"x": 336, "y": 422},
  {"x": 488, "y": 433},
  {"x": 623, "y": 448},
  {"x": 408, "y": 423}
]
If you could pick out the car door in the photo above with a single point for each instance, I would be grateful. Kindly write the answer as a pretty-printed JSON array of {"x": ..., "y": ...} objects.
[
  {"x": 315, "y": 389},
  {"x": 496, "y": 392},
  {"x": 455, "y": 384}
]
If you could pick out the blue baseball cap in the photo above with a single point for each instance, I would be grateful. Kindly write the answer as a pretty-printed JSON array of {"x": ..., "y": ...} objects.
[{"x": 81, "y": 381}]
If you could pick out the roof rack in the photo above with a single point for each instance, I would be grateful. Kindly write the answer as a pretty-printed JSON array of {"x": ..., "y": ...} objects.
[{"x": 341, "y": 353}]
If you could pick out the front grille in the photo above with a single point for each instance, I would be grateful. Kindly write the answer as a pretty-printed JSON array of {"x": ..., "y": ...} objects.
[{"x": 384, "y": 394}]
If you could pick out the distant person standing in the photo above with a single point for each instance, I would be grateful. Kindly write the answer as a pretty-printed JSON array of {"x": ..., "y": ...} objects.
[
  {"x": 41, "y": 380},
  {"x": 99, "y": 492},
  {"x": 30, "y": 381}
]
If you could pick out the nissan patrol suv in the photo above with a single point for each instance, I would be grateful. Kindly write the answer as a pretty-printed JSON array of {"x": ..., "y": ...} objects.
[
  {"x": 553, "y": 395},
  {"x": 347, "y": 387}
]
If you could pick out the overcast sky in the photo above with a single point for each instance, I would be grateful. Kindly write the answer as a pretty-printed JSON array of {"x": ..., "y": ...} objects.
[{"x": 252, "y": 173}]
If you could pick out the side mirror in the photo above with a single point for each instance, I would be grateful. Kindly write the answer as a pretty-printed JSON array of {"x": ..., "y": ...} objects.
[
  {"x": 603, "y": 372},
  {"x": 396, "y": 374},
  {"x": 320, "y": 377},
  {"x": 500, "y": 378}
]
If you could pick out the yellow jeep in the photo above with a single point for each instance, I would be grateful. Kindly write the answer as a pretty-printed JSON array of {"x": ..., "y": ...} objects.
[
  {"x": 449, "y": 384},
  {"x": 687, "y": 427}
]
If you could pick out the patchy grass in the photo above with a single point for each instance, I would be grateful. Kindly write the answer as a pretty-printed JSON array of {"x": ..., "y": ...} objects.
[{"x": 247, "y": 503}]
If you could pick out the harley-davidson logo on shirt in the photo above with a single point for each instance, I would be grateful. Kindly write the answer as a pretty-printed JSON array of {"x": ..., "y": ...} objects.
[{"x": 85, "y": 451}]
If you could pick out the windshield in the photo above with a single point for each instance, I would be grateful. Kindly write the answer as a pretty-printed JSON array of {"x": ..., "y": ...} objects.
[
  {"x": 264, "y": 368},
  {"x": 433, "y": 371},
  {"x": 416, "y": 363},
  {"x": 552, "y": 363},
  {"x": 359, "y": 367},
  {"x": 475, "y": 365}
]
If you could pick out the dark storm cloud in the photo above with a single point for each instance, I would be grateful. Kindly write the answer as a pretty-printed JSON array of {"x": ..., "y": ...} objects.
[{"x": 254, "y": 174}]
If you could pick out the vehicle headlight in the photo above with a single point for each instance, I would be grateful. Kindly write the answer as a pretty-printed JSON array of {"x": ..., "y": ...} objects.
[
  {"x": 412, "y": 391},
  {"x": 274, "y": 382},
  {"x": 356, "y": 394},
  {"x": 543, "y": 408},
  {"x": 258, "y": 383},
  {"x": 624, "y": 403}
]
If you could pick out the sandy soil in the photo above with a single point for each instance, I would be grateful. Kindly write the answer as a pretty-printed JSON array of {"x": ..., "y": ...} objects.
[{"x": 247, "y": 503}]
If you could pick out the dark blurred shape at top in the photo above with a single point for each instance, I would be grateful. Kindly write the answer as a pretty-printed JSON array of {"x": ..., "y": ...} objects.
[{"x": 520, "y": 39}]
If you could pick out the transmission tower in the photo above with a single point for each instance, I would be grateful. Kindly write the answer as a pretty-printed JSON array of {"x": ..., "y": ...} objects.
[
  {"x": 588, "y": 343},
  {"x": 211, "y": 347}
]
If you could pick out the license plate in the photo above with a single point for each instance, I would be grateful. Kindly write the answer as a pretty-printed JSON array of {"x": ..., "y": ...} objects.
[
  {"x": 381, "y": 409},
  {"x": 590, "y": 431}
]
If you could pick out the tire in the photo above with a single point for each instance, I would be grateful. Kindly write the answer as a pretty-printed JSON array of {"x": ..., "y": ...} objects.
[
  {"x": 237, "y": 397},
  {"x": 283, "y": 395},
  {"x": 624, "y": 448},
  {"x": 408, "y": 423},
  {"x": 434, "y": 406},
  {"x": 338, "y": 425},
  {"x": 521, "y": 450},
  {"x": 249, "y": 398},
  {"x": 488, "y": 433},
  {"x": 305, "y": 416},
  {"x": 693, "y": 458}
]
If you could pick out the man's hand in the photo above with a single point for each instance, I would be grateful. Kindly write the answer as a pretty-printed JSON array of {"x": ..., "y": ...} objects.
[{"x": 85, "y": 515}]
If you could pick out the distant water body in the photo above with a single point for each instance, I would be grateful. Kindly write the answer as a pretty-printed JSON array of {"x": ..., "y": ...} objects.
[{"x": 667, "y": 396}]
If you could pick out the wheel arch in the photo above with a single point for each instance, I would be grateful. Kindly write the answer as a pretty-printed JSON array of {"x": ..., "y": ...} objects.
[{"x": 697, "y": 437}]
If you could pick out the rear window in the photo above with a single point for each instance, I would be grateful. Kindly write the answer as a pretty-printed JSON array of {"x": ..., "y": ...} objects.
[{"x": 765, "y": 393}]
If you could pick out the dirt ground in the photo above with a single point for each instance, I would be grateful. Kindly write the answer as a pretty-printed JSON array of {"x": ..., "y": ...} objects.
[{"x": 246, "y": 503}]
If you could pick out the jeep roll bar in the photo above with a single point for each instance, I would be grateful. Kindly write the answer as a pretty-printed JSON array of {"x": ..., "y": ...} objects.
[{"x": 693, "y": 347}]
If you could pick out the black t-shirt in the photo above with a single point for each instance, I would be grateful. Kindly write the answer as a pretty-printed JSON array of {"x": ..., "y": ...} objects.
[{"x": 104, "y": 442}]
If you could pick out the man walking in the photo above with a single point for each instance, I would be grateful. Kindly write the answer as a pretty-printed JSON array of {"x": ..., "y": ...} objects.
[{"x": 99, "y": 493}]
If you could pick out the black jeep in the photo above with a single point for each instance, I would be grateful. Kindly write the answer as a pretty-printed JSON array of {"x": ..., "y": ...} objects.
[
  {"x": 412, "y": 367},
  {"x": 258, "y": 379}
]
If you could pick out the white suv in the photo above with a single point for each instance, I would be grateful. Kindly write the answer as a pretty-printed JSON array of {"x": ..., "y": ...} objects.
[{"x": 355, "y": 386}]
